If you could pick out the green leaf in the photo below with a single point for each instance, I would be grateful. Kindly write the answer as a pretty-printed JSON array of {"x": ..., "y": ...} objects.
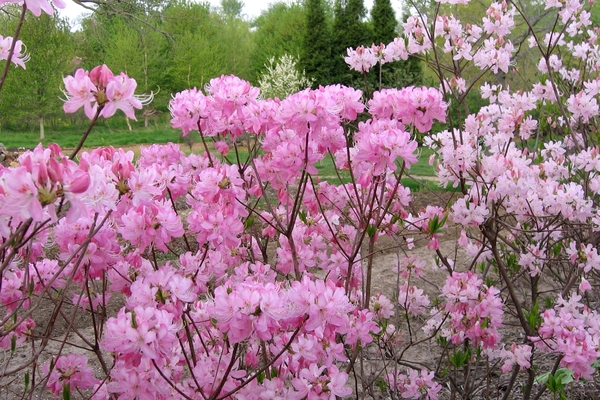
[
  {"x": 556, "y": 249},
  {"x": 371, "y": 230},
  {"x": 66, "y": 392},
  {"x": 533, "y": 316},
  {"x": 564, "y": 375},
  {"x": 250, "y": 221},
  {"x": 26, "y": 380},
  {"x": 543, "y": 378},
  {"x": 261, "y": 377},
  {"x": 133, "y": 320},
  {"x": 459, "y": 358},
  {"x": 302, "y": 216},
  {"x": 435, "y": 225},
  {"x": 381, "y": 384},
  {"x": 13, "y": 343}
]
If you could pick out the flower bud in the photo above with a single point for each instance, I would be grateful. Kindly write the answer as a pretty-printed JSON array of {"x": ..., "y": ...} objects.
[{"x": 100, "y": 76}]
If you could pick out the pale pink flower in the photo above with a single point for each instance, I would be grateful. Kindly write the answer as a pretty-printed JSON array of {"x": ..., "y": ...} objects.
[
  {"x": 17, "y": 57},
  {"x": 37, "y": 6}
]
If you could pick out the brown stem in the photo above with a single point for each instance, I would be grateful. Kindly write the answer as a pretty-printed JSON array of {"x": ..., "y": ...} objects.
[
  {"x": 12, "y": 46},
  {"x": 87, "y": 132}
]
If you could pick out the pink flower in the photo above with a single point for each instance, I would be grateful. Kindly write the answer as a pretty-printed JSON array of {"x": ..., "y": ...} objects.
[
  {"x": 362, "y": 59},
  {"x": 119, "y": 93},
  {"x": 37, "y": 6},
  {"x": 584, "y": 285},
  {"x": 72, "y": 371},
  {"x": 100, "y": 87},
  {"x": 520, "y": 355},
  {"x": 17, "y": 57},
  {"x": 101, "y": 76},
  {"x": 80, "y": 92},
  {"x": 415, "y": 385}
]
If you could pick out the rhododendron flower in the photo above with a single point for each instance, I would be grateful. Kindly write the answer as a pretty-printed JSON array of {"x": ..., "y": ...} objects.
[
  {"x": 520, "y": 355},
  {"x": 37, "y": 6},
  {"x": 101, "y": 88},
  {"x": 415, "y": 385},
  {"x": 72, "y": 371},
  {"x": 362, "y": 59},
  {"x": 119, "y": 93},
  {"x": 17, "y": 57}
]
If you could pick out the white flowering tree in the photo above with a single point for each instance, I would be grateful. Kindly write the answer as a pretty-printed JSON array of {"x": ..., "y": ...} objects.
[{"x": 282, "y": 78}]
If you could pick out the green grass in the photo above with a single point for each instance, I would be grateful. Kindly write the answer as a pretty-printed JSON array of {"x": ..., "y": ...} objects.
[
  {"x": 326, "y": 167},
  {"x": 119, "y": 135},
  {"x": 100, "y": 136}
]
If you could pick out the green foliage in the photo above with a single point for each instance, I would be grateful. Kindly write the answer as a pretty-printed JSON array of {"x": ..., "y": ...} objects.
[
  {"x": 32, "y": 97},
  {"x": 384, "y": 21},
  {"x": 460, "y": 358},
  {"x": 533, "y": 317},
  {"x": 557, "y": 382},
  {"x": 279, "y": 30},
  {"x": 196, "y": 52},
  {"x": 349, "y": 30},
  {"x": 232, "y": 8},
  {"x": 316, "y": 47}
]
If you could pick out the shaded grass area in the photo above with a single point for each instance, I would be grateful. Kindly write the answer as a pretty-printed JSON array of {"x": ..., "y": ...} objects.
[
  {"x": 117, "y": 136},
  {"x": 103, "y": 135},
  {"x": 326, "y": 167}
]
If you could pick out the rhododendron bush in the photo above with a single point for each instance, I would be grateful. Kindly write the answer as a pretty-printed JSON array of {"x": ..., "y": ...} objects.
[{"x": 240, "y": 272}]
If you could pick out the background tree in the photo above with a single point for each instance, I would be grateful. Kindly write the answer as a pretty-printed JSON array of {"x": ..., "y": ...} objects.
[
  {"x": 196, "y": 52},
  {"x": 383, "y": 25},
  {"x": 316, "y": 49},
  {"x": 34, "y": 95},
  {"x": 279, "y": 30},
  {"x": 232, "y": 8},
  {"x": 236, "y": 39},
  {"x": 282, "y": 78},
  {"x": 349, "y": 30}
]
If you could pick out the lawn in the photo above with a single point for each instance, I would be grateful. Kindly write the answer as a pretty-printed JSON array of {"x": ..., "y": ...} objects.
[
  {"x": 105, "y": 135},
  {"x": 100, "y": 136}
]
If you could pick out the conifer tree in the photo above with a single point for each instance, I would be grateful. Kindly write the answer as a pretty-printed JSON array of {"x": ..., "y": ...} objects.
[
  {"x": 384, "y": 23},
  {"x": 316, "y": 48},
  {"x": 350, "y": 30}
]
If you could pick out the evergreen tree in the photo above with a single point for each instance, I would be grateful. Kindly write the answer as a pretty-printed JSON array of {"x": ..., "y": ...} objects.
[
  {"x": 384, "y": 23},
  {"x": 316, "y": 48},
  {"x": 350, "y": 30}
]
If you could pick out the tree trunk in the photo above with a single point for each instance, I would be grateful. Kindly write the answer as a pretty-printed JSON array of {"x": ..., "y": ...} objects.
[{"x": 42, "y": 136}]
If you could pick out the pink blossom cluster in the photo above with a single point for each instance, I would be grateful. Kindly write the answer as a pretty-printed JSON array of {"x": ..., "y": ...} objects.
[
  {"x": 474, "y": 311},
  {"x": 260, "y": 287},
  {"x": 120, "y": 210},
  {"x": 571, "y": 329},
  {"x": 35, "y": 188},
  {"x": 415, "y": 385},
  {"x": 71, "y": 371},
  {"x": 100, "y": 88},
  {"x": 410, "y": 105}
]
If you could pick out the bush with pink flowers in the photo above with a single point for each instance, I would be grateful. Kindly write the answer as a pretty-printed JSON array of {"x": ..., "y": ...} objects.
[{"x": 247, "y": 275}]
